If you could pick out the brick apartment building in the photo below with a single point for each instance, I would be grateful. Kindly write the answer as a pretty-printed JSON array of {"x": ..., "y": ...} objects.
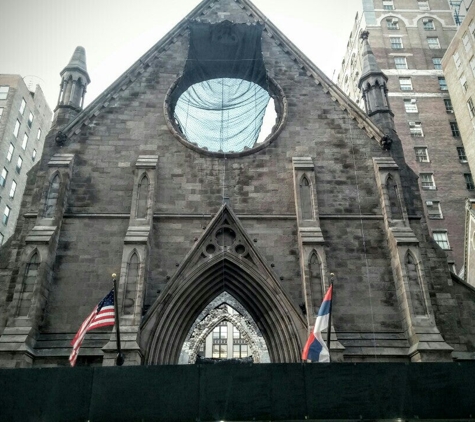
[{"x": 409, "y": 39}]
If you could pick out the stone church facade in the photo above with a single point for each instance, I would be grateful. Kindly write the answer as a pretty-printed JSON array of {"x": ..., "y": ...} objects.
[{"x": 119, "y": 189}]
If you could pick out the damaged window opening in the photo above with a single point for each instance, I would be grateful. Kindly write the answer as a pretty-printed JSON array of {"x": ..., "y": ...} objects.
[
  {"x": 225, "y": 102},
  {"x": 225, "y": 114}
]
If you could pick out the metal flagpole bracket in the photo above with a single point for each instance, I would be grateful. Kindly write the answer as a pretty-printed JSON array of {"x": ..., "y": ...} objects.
[{"x": 119, "y": 360}]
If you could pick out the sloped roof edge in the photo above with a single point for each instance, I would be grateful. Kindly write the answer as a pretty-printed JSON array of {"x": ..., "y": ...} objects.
[{"x": 312, "y": 70}]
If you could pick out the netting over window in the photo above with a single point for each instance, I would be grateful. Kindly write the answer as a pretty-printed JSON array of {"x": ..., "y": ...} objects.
[
  {"x": 222, "y": 114},
  {"x": 220, "y": 101}
]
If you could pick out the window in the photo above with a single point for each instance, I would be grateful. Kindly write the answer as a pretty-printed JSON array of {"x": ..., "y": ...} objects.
[
  {"x": 22, "y": 106},
  {"x": 461, "y": 154},
  {"x": 4, "y": 92},
  {"x": 437, "y": 62},
  {"x": 221, "y": 331},
  {"x": 12, "y": 190},
  {"x": 422, "y": 155},
  {"x": 240, "y": 351},
  {"x": 400, "y": 62},
  {"x": 396, "y": 43},
  {"x": 33, "y": 155},
  {"x": 469, "y": 181},
  {"x": 405, "y": 84},
  {"x": 1, "y": 111},
  {"x": 471, "y": 107},
  {"x": 3, "y": 176},
  {"x": 454, "y": 127},
  {"x": 1, "y": 239},
  {"x": 457, "y": 60},
  {"x": 25, "y": 142},
  {"x": 428, "y": 24},
  {"x": 11, "y": 148},
  {"x": 30, "y": 120},
  {"x": 463, "y": 82},
  {"x": 392, "y": 23},
  {"x": 19, "y": 163},
  {"x": 433, "y": 42},
  {"x": 466, "y": 41},
  {"x": 472, "y": 64},
  {"x": 427, "y": 181},
  {"x": 441, "y": 238},
  {"x": 17, "y": 129},
  {"x": 423, "y": 5},
  {"x": 6, "y": 214},
  {"x": 220, "y": 351},
  {"x": 442, "y": 84},
  {"x": 411, "y": 106},
  {"x": 52, "y": 197},
  {"x": 388, "y": 4},
  {"x": 434, "y": 210},
  {"x": 38, "y": 136},
  {"x": 416, "y": 129},
  {"x": 448, "y": 106}
]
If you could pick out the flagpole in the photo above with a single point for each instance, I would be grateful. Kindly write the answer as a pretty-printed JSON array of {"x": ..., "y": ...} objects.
[
  {"x": 329, "y": 329},
  {"x": 119, "y": 361}
]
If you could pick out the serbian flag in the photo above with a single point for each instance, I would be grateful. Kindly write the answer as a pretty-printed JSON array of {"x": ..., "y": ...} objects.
[
  {"x": 102, "y": 316},
  {"x": 315, "y": 349}
]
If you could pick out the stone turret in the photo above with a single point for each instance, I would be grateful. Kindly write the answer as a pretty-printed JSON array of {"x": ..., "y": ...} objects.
[
  {"x": 74, "y": 81},
  {"x": 373, "y": 85}
]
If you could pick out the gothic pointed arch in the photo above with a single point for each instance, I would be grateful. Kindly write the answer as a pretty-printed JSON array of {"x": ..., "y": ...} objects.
[
  {"x": 393, "y": 196},
  {"x": 52, "y": 195},
  {"x": 306, "y": 198},
  {"x": 316, "y": 280},
  {"x": 218, "y": 314},
  {"x": 28, "y": 285},
  {"x": 216, "y": 265},
  {"x": 415, "y": 284},
  {"x": 142, "y": 196},
  {"x": 131, "y": 279}
]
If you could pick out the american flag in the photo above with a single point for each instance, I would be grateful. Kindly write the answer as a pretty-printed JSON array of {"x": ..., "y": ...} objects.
[{"x": 101, "y": 316}]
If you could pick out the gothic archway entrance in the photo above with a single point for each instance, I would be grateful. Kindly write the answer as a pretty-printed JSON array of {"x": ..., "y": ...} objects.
[
  {"x": 224, "y": 324},
  {"x": 223, "y": 260}
]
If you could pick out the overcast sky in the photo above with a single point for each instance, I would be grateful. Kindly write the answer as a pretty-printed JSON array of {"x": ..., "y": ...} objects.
[{"x": 38, "y": 37}]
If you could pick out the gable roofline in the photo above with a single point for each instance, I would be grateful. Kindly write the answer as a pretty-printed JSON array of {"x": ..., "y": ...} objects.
[{"x": 134, "y": 71}]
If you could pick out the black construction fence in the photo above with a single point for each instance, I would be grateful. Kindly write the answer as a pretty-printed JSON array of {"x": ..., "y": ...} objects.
[{"x": 241, "y": 392}]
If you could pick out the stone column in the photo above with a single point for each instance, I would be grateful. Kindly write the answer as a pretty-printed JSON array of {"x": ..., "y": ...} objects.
[
  {"x": 311, "y": 243},
  {"x": 425, "y": 341},
  {"x": 131, "y": 287},
  {"x": 26, "y": 311}
]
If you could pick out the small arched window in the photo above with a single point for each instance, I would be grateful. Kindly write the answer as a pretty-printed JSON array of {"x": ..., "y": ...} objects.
[
  {"x": 142, "y": 197},
  {"x": 306, "y": 199},
  {"x": 394, "y": 203},
  {"x": 315, "y": 274},
  {"x": 52, "y": 197},
  {"x": 415, "y": 288},
  {"x": 31, "y": 272},
  {"x": 131, "y": 284}
]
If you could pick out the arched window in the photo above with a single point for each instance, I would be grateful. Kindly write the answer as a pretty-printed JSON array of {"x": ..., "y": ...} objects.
[
  {"x": 415, "y": 288},
  {"x": 142, "y": 197},
  {"x": 306, "y": 199},
  {"x": 131, "y": 284},
  {"x": 315, "y": 274},
  {"x": 31, "y": 272},
  {"x": 52, "y": 197},
  {"x": 394, "y": 203}
]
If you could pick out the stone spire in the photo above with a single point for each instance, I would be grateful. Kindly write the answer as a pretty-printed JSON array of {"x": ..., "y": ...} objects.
[
  {"x": 74, "y": 81},
  {"x": 373, "y": 86}
]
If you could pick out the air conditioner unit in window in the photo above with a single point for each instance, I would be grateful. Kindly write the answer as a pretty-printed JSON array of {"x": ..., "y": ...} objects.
[
  {"x": 413, "y": 100},
  {"x": 425, "y": 20},
  {"x": 429, "y": 203},
  {"x": 412, "y": 124},
  {"x": 395, "y": 20},
  {"x": 450, "y": 111}
]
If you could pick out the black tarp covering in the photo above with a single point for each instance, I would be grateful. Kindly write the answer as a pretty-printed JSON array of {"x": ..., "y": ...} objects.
[
  {"x": 220, "y": 101},
  {"x": 223, "y": 50}
]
